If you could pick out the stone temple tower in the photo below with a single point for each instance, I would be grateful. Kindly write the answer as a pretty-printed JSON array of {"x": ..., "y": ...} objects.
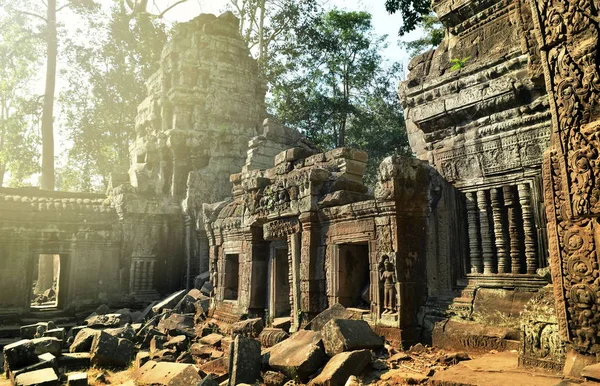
[{"x": 204, "y": 104}]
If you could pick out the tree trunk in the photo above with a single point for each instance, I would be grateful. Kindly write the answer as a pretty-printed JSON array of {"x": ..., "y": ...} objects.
[
  {"x": 261, "y": 33},
  {"x": 47, "y": 181}
]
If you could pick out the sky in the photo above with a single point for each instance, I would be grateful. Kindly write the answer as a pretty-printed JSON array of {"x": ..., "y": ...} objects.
[{"x": 384, "y": 24}]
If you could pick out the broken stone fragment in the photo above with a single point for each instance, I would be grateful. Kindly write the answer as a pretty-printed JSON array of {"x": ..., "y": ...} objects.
[
  {"x": 185, "y": 357},
  {"x": 108, "y": 351},
  {"x": 178, "y": 324},
  {"x": 20, "y": 354},
  {"x": 74, "y": 361},
  {"x": 273, "y": 378},
  {"x": 341, "y": 335},
  {"x": 177, "y": 343},
  {"x": 45, "y": 361},
  {"x": 164, "y": 355},
  {"x": 125, "y": 332},
  {"x": 213, "y": 339},
  {"x": 43, "y": 377},
  {"x": 77, "y": 379},
  {"x": 47, "y": 345},
  {"x": 29, "y": 331},
  {"x": 141, "y": 358},
  {"x": 168, "y": 303},
  {"x": 58, "y": 333},
  {"x": 245, "y": 361},
  {"x": 336, "y": 311},
  {"x": 83, "y": 340},
  {"x": 341, "y": 367},
  {"x": 166, "y": 374},
  {"x": 209, "y": 380},
  {"x": 591, "y": 372},
  {"x": 301, "y": 355},
  {"x": 250, "y": 328},
  {"x": 105, "y": 321},
  {"x": 269, "y": 337},
  {"x": 201, "y": 279}
]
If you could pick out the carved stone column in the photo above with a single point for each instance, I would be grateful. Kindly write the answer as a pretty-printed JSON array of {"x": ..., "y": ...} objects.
[
  {"x": 513, "y": 229},
  {"x": 568, "y": 36},
  {"x": 486, "y": 232},
  {"x": 528, "y": 227},
  {"x": 473, "y": 229},
  {"x": 501, "y": 239}
]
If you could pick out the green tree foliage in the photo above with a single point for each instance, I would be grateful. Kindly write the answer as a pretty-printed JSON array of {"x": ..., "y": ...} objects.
[
  {"x": 106, "y": 84},
  {"x": 266, "y": 25},
  {"x": 433, "y": 34},
  {"x": 337, "y": 90},
  {"x": 20, "y": 109},
  {"x": 412, "y": 12}
]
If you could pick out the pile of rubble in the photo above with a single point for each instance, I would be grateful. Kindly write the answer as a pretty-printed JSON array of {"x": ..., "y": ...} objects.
[{"x": 174, "y": 342}]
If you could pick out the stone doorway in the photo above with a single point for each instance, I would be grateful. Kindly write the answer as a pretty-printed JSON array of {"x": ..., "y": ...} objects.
[
  {"x": 353, "y": 275},
  {"x": 232, "y": 276},
  {"x": 279, "y": 281},
  {"x": 45, "y": 285}
]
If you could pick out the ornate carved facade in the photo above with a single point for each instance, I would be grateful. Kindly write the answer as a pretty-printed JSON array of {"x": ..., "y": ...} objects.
[
  {"x": 568, "y": 33},
  {"x": 305, "y": 234}
]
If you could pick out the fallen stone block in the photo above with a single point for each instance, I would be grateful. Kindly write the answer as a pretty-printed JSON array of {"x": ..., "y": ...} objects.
[
  {"x": 165, "y": 355},
  {"x": 167, "y": 374},
  {"x": 45, "y": 361},
  {"x": 84, "y": 339},
  {"x": 201, "y": 351},
  {"x": 111, "y": 352},
  {"x": 341, "y": 335},
  {"x": 353, "y": 381},
  {"x": 125, "y": 332},
  {"x": 43, "y": 377},
  {"x": 178, "y": 324},
  {"x": 29, "y": 331},
  {"x": 20, "y": 354},
  {"x": 77, "y": 379},
  {"x": 47, "y": 345},
  {"x": 250, "y": 328},
  {"x": 157, "y": 343},
  {"x": 213, "y": 339},
  {"x": 141, "y": 358},
  {"x": 74, "y": 361},
  {"x": 185, "y": 357},
  {"x": 273, "y": 378},
  {"x": 401, "y": 377},
  {"x": 336, "y": 311},
  {"x": 106, "y": 321},
  {"x": 168, "y": 303},
  {"x": 341, "y": 367},
  {"x": 300, "y": 356},
  {"x": 591, "y": 372},
  {"x": 269, "y": 337},
  {"x": 58, "y": 333},
  {"x": 201, "y": 279},
  {"x": 207, "y": 288},
  {"x": 219, "y": 367},
  {"x": 245, "y": 361},
  {"x": 209, "y": 380},
  {"x": 177, "y": 343}
]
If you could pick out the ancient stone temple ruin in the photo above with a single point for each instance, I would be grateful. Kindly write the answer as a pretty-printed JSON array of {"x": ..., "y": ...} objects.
[
  {"x": 146, "y": 236},
  {"x": 486, "y": 239}
]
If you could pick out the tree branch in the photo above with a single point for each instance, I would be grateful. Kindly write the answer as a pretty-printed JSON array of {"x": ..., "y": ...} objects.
[
  {"x": 169, "y": 8},
  {"x": 34, "y": 15}
]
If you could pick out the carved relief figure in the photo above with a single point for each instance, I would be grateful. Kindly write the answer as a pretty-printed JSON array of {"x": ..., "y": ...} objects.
[{"x": 388, "y": 277}]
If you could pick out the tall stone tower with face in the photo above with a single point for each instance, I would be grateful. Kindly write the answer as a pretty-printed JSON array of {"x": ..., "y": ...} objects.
[{"x": 203, "y": 105}]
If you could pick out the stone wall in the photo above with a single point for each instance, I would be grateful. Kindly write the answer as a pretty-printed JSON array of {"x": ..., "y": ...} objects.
[
  {"x": 82, "y": 228},
  {"x": 484, "y": 128}
]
